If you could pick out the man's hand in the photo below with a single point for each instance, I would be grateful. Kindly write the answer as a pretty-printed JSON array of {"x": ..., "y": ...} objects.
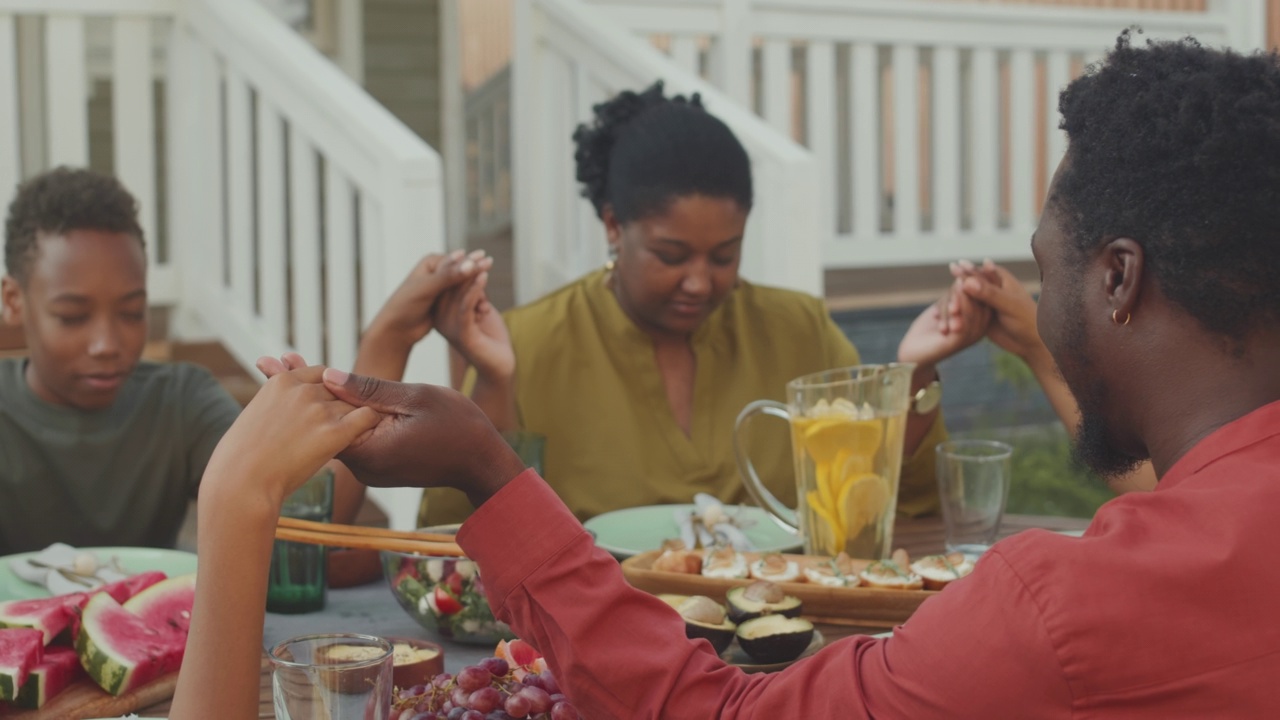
[{"x": 429, "y": 436}]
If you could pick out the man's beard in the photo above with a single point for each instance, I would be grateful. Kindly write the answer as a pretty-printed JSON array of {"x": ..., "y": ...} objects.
[{"x": 1092, "y": 447}]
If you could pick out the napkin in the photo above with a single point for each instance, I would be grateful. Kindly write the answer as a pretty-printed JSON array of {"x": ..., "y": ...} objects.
[
  {"x": 62, "y": 569},
  {"x": 710, "y": 525}
]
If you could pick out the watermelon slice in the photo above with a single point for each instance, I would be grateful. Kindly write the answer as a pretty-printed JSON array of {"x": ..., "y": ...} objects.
[
  {"x": 124, "y": 589},
  {"x": 120, "y": 651},
  {"x": 60, "y": 668},
  {"x": 120, "y": 591},
  {"x": 166, "y": 606},
  {"x": 20, "y": 650},
  {"x": 48, "y": 615}
]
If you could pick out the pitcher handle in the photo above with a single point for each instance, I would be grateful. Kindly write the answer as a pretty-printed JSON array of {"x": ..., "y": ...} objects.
[{"x": 781, "y": 514}]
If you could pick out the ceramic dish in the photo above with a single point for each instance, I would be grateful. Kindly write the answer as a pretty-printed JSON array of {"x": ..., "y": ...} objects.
[
  {"x": 132, "y": 559},
  {"x": 635, "y": 530}
]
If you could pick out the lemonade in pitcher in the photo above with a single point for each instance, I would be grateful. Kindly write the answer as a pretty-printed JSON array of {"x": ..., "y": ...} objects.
[
  {"x": 848, "y": 426},
  {"x": 848, "y": 460}
]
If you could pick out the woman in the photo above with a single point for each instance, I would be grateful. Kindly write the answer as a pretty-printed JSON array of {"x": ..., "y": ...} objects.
[{"x": 636, "y": 372}]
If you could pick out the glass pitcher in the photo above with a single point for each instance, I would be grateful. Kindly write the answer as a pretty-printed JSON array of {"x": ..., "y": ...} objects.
[{"x": 847, "y": 430}]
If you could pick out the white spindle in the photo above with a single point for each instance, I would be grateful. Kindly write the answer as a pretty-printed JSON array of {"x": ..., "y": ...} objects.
[
  {"x": 372, "y": 291},
  {"x": 946, "y": 141},
  {"x": 208, "y": 262},
  {"x": 906, "y": 141},
  {"x": 272, "y": 241},
  {"x": 684, "y": 50},
  {"x": 133, "y": 114},
  {"x": 984, "y": 141},
  {"x": 734, "y": 50},
  {"x": 865, "y": 99},
  {"x": 820, "y": 115},
  {"x": 1057, "y": 74},
  {"x": 776, "y": 86},
  {"x": 67, "y": 91},
  {"x": 1022, "y": 140},
  {"x": 240, "y": 191},
  {"x": 10, "y": 142},
  {"x": 305, "y": 242},
  {"x": 340, "y": 268}
]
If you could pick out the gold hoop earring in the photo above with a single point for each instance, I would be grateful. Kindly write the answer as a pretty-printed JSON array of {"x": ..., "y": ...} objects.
[{"x": 1115, "y": 317}]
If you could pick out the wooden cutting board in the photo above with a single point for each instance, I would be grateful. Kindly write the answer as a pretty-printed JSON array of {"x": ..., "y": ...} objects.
[{"x": 84, "y": 699}]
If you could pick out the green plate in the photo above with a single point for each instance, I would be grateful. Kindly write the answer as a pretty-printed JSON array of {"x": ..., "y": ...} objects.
[
  {"x": 635, "y": 530},
  {"x": 133, "y": 559}
]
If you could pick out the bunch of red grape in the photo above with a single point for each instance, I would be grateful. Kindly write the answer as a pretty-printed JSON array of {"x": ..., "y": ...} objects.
[{"x": 488, "y": 691}]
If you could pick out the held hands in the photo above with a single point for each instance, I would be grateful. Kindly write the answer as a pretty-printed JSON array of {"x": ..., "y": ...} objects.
[
  {"x": 945, "y": 328},
  {"x": 427, "y": 436},
  {"x": 406, "y": 317},
  {"x": 292, "y": 427},
  {"x": 465, "y": 317},
  {"x": 1013, "y": 325}
]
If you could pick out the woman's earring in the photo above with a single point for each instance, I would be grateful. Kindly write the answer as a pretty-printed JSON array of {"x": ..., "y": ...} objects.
[{"x": 612, "y": 262}]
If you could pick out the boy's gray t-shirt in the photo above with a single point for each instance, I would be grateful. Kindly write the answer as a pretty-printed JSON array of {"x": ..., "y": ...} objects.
[{"x": 119, "y": 476}]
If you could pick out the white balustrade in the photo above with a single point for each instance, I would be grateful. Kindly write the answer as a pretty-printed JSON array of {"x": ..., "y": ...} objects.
[{"x": 972, "y": 148}]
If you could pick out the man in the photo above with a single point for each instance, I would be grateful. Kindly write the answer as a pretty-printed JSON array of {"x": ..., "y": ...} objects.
[{"x": 1160, "y": 302}]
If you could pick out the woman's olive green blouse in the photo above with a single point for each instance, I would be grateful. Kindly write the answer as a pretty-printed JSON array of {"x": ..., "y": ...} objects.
[{"x": 586, "y": 379}]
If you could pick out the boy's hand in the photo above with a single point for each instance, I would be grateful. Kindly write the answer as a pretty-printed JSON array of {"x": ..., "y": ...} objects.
[
  {"x": 406, "y": 317},
  {"x": 429, "y": 436},
  {"x": 293, "y": 426}
]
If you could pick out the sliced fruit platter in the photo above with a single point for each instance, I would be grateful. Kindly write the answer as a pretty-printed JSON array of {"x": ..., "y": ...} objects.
[
  {"x": 94, "y": 650},
  {"x": 838, "y": 590}
]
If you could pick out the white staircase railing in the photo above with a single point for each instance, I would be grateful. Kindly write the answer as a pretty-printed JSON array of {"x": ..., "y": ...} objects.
[
  {"x": 568, "y": 55},
  {"x": 934, "y": 124},
  {"x": 292, "y": 202}
]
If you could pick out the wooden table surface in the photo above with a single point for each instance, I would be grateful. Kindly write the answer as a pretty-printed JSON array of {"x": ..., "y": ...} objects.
[{"x": 918, "y": 537}]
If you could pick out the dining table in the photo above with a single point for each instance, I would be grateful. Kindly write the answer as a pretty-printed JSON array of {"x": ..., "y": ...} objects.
[{"x": 372, "y": 610}]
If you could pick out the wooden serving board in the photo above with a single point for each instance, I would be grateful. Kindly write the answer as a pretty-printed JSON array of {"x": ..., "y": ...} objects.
[
  {"x": 84, "y": 699},
  {"x": 868, "y": 607}
]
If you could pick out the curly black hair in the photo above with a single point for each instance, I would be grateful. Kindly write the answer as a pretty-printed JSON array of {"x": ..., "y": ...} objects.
[
  {"x": 1177, "y": 146},
  {"x": 61, "y": 200},
  {"x": 642, "y": 150}
]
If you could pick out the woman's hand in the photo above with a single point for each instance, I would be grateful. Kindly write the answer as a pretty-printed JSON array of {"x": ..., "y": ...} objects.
[
  {"x": 466, "y": 318},
  {"x": 293, "y": 426}
]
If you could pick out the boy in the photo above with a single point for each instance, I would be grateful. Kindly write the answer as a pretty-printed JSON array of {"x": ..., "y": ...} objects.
[{"x": 96, "y": 446}]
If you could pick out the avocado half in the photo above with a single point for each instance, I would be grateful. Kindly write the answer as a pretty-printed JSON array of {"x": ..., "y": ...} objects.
[
  {"x": 743, "y": 608},
  {"x": 705, "y": 618},
  {"x": 775, "y": 638}
]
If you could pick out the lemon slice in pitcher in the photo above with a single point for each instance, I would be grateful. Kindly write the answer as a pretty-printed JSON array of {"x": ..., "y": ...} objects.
[
  {"x": 828, "y": 538},
  {"x": 826, "y": 437},
  {"x": 863, "y": 500}
]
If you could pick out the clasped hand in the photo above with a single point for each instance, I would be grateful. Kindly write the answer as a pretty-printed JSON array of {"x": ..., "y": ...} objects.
[{"x": 387, "y": 433}]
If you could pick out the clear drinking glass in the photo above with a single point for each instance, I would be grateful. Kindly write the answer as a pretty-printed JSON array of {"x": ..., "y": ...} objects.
[
  {"x": 973, "y": 482},
  {"x": 298, "y": 570},
  {"x": 332, "y": 677}
]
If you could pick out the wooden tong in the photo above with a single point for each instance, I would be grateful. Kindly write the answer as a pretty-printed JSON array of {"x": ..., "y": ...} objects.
[{"x": 366, "y": 538}]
